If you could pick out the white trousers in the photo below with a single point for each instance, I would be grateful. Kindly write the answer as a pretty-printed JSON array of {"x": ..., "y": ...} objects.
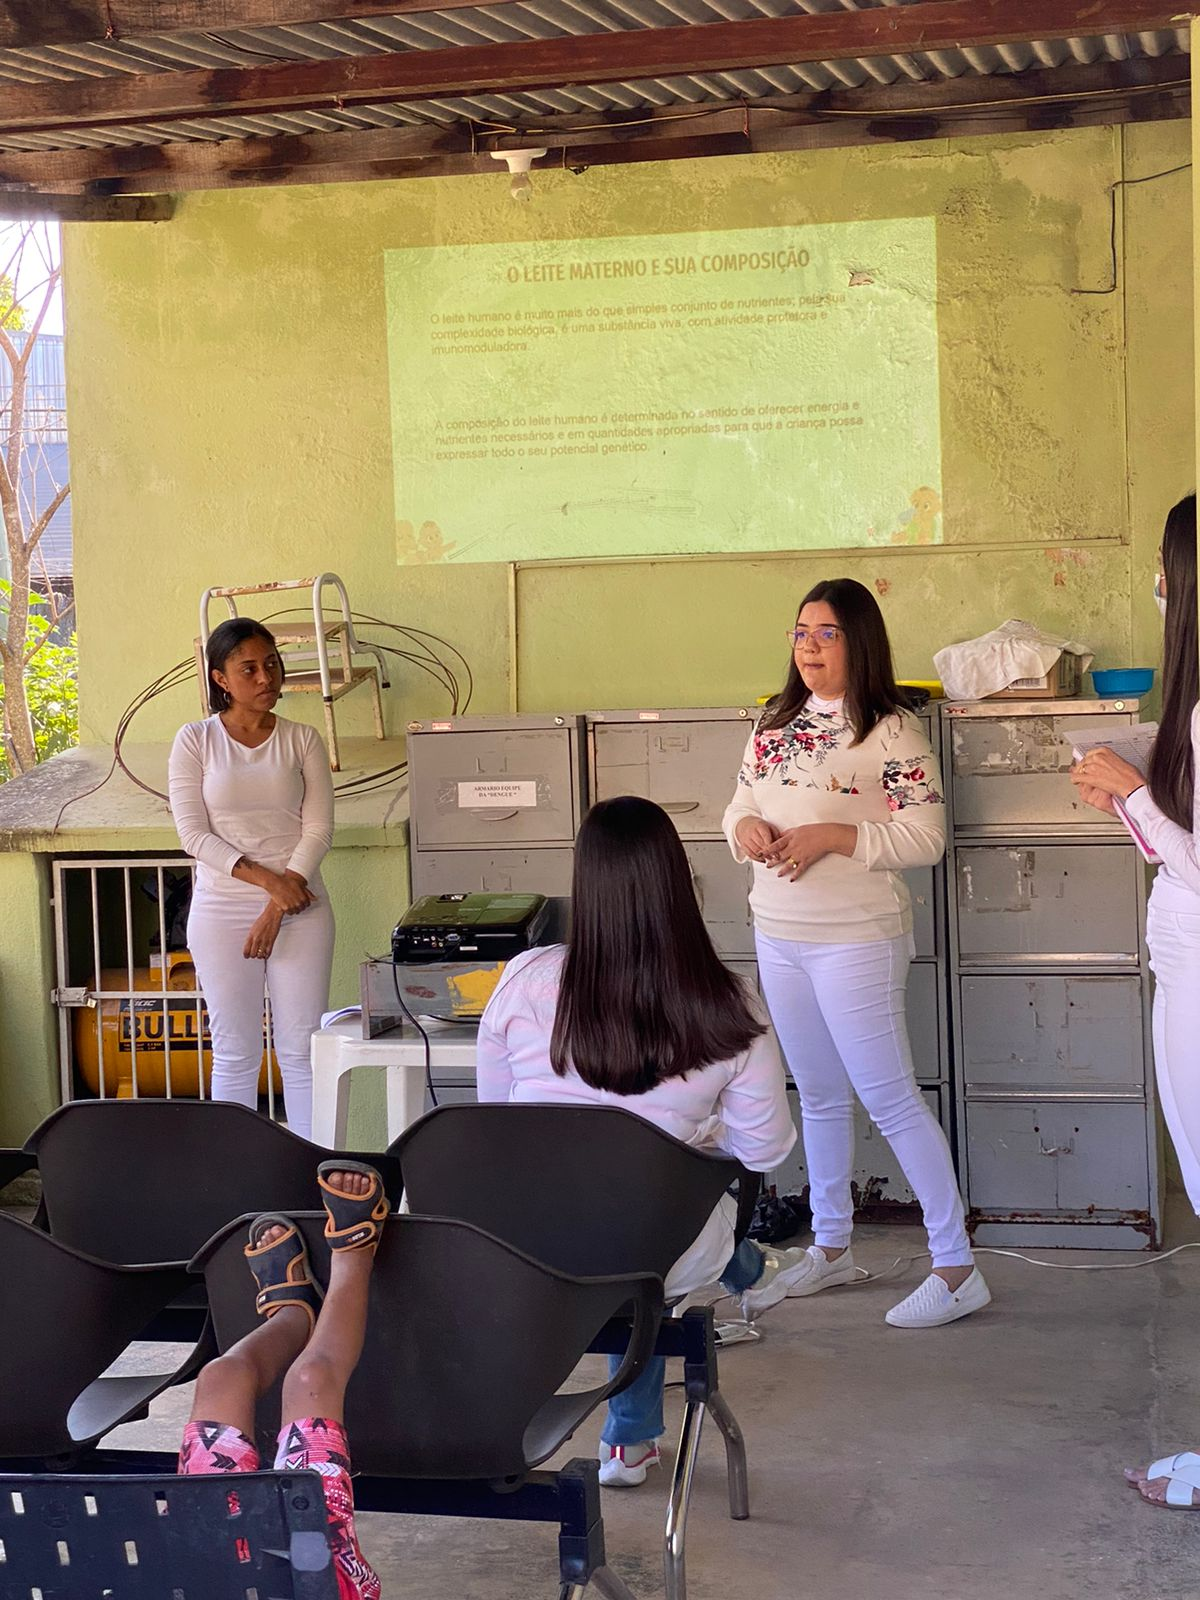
[
  {"x": 1174, "y": 940},
  {"x": 296, "y": 976},
  {"x": 839, "y": 1012}
]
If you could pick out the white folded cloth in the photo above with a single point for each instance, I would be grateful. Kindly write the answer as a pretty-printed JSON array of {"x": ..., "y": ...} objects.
[{"x": 1016, "y": 649}]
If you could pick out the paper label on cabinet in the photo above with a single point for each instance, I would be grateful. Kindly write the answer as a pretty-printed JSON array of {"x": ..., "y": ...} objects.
[{"x": 496, "y": 793}]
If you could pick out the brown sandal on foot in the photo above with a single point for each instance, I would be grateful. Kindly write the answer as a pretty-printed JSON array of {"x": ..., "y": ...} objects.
[
  {"x": 355, "y": 1221},
  {"x": 281, "y": 1269}
]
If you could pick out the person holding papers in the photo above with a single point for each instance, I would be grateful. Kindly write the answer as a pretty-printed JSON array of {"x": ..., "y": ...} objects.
[{"x": 1162, "y": 806}]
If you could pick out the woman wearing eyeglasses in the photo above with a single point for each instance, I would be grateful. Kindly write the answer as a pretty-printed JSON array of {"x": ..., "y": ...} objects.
[{"x": 839, "y": 794}]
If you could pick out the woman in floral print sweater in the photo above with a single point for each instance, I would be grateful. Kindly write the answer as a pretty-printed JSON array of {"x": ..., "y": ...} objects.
[{"x": 838, "y": 794}]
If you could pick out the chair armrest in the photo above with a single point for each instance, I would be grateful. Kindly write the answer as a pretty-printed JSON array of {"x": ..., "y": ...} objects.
[{"x": 647, "y": 1318}]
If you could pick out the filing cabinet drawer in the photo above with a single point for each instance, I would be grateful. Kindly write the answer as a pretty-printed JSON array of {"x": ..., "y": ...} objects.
[
  {"x": 545, "y": 872},
  {"x": 1037, "y": 1157},
  {"x": 1011, "y": 772},
  {"x": 922, "y": 1011},
  {"x": 495, "y": 787},
  {"x": 723, "y": 894},
  {"x": 689, "y": 768},
  {"x": 922, "y": 883},
  {"x": 1046, "y": 1034},
  {"x": 1043, "y": 902}
]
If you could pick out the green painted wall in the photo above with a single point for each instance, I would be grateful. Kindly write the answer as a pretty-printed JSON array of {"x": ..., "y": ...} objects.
[
  {"x": 229, "y": 413},
  {"x": 230, "y": 423},
  {"x": 28, "y": 1035}
]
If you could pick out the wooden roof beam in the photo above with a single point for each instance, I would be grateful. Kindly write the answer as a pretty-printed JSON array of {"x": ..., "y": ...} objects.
[
  {"x": 595, "y": 58},
  {"x": 1117, "y": 91},
  {"x": 25, "y": 205},
  {"x": 785, "y": 122}
]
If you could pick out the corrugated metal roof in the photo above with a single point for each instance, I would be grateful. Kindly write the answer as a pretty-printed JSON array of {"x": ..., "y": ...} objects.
[{"x": 525, "y": 20}]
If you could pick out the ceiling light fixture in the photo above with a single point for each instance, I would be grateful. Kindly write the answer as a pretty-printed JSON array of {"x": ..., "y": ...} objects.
[{"x": 519, "y": 163}]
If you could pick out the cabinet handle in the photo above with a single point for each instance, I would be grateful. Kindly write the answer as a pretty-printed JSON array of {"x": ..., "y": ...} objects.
[
  {"x": 675, "y": 807},
  {"x": 1067, "y": 1149}
]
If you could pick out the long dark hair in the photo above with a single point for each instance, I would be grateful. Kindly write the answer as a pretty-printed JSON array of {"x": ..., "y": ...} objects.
[
  {"x": 644, "y": 996},
  {"x": 222, "y": 642},
  {"x": 1171, "y": 775},
  {"x": 871, "y": 689}
]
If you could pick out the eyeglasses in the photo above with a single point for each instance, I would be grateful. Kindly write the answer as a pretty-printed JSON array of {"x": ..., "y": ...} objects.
[{"x": 822, "y": 636}]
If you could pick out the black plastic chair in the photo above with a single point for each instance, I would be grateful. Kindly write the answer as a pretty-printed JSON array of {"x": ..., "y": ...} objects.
[
  {"x": 152, "y": 1180},
  {"x": 589, "y": 1190},
  {"x": 13, "y": 1164},
  {"x": 455, "y": 1402},
  {"x": 133, "y": 1181},
  {"x": 143, "y": 1538},
  {"x": 67, "y": 1319}
]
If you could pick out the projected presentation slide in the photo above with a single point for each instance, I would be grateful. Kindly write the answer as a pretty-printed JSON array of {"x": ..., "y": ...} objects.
[{"x": 764, "y": 389}]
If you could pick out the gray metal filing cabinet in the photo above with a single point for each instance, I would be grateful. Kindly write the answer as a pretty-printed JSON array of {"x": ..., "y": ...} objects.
[
  {"x": 1050, "y": 986},
  {"x": 687, "y": 761},
  {"x": 496, "y": 803}
]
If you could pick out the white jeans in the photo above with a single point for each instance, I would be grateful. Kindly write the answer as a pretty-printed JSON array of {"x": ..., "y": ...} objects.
[
  {"x": 839, "y": 1012},
  {"x": 297, "y": 979},
  {"x": 1174, "y": 940}
]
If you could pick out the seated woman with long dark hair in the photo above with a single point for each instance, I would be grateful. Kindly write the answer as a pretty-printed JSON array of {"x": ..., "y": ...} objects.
[{"x": 638, "y": 1010}]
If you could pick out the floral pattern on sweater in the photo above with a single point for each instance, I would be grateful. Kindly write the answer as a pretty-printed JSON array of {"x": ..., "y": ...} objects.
[
  {"x": 808, "y": 740},
  {"x": 907, "y": 783}
]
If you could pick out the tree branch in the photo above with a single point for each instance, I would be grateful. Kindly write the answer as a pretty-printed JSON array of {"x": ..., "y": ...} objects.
[
  {"x": 43, "y": 522},
  {"x": 35, "y": 647},
  {"x": 10, "y": 508},
  {"x": 35, "y": 327}
]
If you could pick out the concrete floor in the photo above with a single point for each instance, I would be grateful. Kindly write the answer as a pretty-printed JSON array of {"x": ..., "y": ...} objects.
[{"x": 976, "y": 1462}]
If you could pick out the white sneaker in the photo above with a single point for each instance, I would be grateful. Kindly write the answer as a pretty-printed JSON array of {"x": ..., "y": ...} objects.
[
  {"x": 932, "y": 1304},
  {"x": 788, "y": 1274},
  {"x": 624, "y": 1466}
]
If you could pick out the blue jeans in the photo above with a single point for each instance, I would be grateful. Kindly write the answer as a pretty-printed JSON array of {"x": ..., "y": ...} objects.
[{"x": 636, "y": 1414}]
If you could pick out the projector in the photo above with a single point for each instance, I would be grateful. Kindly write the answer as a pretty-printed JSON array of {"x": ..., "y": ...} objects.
[{"x": 469, "y": 927}]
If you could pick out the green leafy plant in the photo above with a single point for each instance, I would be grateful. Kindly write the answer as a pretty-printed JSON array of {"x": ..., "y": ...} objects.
[
  {"x": 31, "y": 612},
  {"x": 51, "y": 689}
]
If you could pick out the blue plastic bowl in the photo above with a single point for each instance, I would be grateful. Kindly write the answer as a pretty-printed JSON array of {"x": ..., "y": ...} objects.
[{"x": 1123, "y": 680}]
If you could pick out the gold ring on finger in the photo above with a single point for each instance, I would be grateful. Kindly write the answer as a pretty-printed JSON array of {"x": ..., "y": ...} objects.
[{"x": 792, "y": 863}]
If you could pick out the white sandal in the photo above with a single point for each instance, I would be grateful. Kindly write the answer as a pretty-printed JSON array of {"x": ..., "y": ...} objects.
[{"x": 1182, "y": 1473}]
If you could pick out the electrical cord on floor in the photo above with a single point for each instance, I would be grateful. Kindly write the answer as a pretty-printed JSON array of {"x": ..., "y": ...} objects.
[
  {"x": 884, "y": 1274},
  {"x": 1087, "y": 1266},
  {"x": 428, "y": 1048}
]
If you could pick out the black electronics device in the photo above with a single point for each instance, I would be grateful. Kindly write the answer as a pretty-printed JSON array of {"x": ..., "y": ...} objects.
[{"x": 469, "y": 927}]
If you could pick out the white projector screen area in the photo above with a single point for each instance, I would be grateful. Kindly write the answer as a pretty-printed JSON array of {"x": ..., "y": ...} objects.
[{"x": 762, "y": 389}]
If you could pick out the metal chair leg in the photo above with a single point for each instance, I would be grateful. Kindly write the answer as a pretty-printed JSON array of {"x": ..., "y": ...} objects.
[
  {"x": 735, "y": 1456},
  {"x": 674, "y": 1570},
  {"x": 611, "y": 1585}
]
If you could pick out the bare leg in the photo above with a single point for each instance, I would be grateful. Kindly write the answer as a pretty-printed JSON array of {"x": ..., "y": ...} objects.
[
  {"x": 315, "y": 1385},
  {"x": 230, "y": 1386}
]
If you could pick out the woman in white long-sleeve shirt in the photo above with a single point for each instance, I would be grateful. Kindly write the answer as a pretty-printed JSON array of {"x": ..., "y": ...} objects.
[
  {"x": 837, "y": 795},
  {"x": 252, "y": 799},
  {"x": 1166, "y": 807},
  {"x": 637, "y": 1011}
]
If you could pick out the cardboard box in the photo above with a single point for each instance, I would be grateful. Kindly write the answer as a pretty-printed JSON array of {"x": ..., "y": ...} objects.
[{"x": 1063, "y": 682}]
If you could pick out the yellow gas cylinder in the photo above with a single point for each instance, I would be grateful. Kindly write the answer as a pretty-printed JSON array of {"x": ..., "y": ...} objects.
[{"x": 117, "y": 1033}]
